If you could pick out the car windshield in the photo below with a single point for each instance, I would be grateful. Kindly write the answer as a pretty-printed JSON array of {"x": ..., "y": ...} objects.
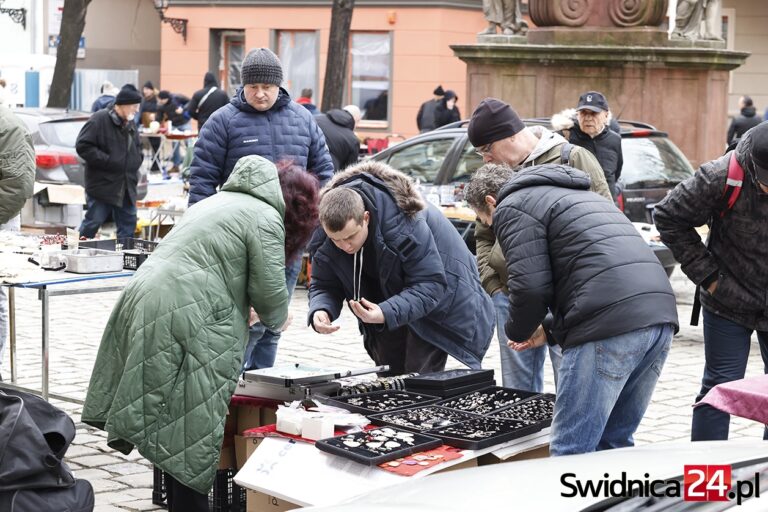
[
  {"x": 421, "y": 161},
  {"x": 653, "y": 161},
  {"x": 63, "y": 133}
]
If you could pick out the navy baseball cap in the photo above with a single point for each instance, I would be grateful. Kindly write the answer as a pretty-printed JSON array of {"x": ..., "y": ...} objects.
[{"x": 593, "y": 101}]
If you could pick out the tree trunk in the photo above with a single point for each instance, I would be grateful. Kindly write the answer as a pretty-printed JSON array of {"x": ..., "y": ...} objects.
[
  {"x": 72, "y": 25},
  {"x": 338, "y": 49}
]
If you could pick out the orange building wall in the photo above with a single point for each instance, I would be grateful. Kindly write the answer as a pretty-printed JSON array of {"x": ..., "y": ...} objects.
[{"x": 422, "y": 57}]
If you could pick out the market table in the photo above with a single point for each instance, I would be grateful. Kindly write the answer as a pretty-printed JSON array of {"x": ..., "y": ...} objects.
[
  {"x": 300, "y": 473},
  {"x": 747, "y": 398},
  {"x": 41, "y": 280}
]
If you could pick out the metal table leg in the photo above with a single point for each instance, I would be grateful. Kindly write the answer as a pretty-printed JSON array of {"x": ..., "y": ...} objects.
[
  {"x": 46, "y": 341},
  {"x": 12, "y": 330}
]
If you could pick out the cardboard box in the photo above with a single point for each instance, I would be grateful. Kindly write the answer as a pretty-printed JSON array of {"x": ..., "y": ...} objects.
[
  {"x": 244, "y": 447},
  {"x": 54, "y": 205},
  {"x": 227, "y": 457},
  {"x": 248, "y": 417},
  {"x": 260, "y": 502},
  {"x": 268, "y": 415},
  {"x": 537, "y": 453}
]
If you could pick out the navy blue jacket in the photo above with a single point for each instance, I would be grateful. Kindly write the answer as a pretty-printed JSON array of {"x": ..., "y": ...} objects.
[
  {"x": 287, "y": 131},
  {"x": 573, "y": 253},
  {"x": 428, "y": 277}
]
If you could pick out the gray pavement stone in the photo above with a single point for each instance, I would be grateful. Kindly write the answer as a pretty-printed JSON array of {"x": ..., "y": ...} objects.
[
  {"x": 93, "y": 461},
  {"x": 125, "y": 468},
  {"x": 138, "y": 479},
  {"x": 93, "y": 474},
  {"x": 105, "y": 485}
]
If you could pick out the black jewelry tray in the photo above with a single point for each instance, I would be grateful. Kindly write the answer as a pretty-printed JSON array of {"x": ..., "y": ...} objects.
[
  {"x": 371, "y": 457},
  {"x": 449, "y": 392},
  {"x": 421, "y": 419},
  {"x": 538, "y": 409},
  {"x": 487, "y": 400},
  {"x": 373, "y": 403},
  {"x": 457, "y": 434},
  {"x": 449, "y": 379}
]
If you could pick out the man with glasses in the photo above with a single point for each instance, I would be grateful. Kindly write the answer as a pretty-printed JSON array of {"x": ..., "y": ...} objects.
[{"x": 500, "y": 137}]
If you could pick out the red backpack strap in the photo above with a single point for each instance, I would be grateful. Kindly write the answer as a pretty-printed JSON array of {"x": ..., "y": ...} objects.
[{"x": 733, "y": 184}]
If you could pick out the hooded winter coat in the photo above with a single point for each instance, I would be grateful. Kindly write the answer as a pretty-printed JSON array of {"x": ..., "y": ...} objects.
[
  {"x": 570, "y": 252},
  {"x": 201, "y": 109},
  {"x": 445, "y": 115},
  {"x": 746, "y": 119},
  {"x": 338, "y": 126},
  {"x": 285, "y": 131},
  {"x": 427, "y": 275},
  {"x": 111, "y": 149},
  {"x": 17, "y": 165},
  {"x": 173, "y": 347},
  {"x": 490, "y": 259},
  {"x": 737, "y": 255}
]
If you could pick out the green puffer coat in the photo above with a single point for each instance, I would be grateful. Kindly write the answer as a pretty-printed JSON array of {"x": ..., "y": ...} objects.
[
  {"x": 17, "y": 165},
  {"x": 172, "y": 350}
]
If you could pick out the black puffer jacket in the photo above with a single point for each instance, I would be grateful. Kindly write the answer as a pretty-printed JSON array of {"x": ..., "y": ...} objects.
[
  {"x": 213, "y": 101},
  {"x": 112, "y": 153},
  {"x": 607, "y": 149},
  {"x": 570, "y": 251},
  {"x": 747, "y": 119},
  {"x": 338, "y": 126},
  {"x": 738, "y": 251}
]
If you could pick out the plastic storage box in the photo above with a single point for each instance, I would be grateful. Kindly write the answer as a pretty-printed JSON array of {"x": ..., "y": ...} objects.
[{"x": 226, "y": 495}]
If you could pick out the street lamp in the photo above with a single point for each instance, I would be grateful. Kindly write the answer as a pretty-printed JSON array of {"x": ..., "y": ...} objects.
[
  {"x": 17, "y": 15},
  {"x": 179, "y": 25}
]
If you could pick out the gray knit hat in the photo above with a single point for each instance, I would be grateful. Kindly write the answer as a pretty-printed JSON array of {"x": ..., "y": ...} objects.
[{"x": 261, "y": 66}]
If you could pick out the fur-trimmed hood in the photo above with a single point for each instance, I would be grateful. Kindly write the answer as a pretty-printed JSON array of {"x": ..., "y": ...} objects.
[
  {"x": 402, "y": 188},
  {"x": 566, "y": 119}
]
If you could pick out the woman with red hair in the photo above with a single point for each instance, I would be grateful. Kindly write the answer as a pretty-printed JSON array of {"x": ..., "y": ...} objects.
[{"x": 173, "y": 348}]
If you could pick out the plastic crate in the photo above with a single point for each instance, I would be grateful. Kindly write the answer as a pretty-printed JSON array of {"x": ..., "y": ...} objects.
[
  {"x": 226, "y": 495},
  {"x": 135, "y": 251}
]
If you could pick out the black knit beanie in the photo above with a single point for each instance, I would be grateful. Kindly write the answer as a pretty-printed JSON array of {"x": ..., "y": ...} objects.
[
  {"x": 261, "y": 66},
  {"x": 492, "y": 120},
  {"x": 128, "y": 95}
]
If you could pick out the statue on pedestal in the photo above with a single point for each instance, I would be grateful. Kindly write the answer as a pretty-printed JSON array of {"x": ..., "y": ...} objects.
[
  {"x": 690, "y": 14},
  {"x": 506, "y": 15}
]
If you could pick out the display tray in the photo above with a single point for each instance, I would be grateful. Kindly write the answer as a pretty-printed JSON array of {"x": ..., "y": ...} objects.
[
  {"x": 381, "y": 401},
  {"x": 421, "y": 419},
  {"x": 374, "y": 447},
  {"x": 483, "y": 432},
  {"x": 539, "y": 409},
  {"x": 449, "y": 379},
  {"x": 449, "y": 392},
  {"x": 484, "y": 401}
]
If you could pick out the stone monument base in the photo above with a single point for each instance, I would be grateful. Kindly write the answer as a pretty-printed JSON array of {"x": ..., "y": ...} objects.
[
  {"x": 500, "y": 39},
  {"x": 599, "y": 36}
]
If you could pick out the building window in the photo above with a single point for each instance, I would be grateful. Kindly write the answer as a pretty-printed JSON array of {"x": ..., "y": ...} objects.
[
  {"x": 298, "y": 52},
  {"x": 371, "y": 77}
]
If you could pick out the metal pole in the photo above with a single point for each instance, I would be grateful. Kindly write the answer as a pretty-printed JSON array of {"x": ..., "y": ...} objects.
[
  {"x": 46, "y": 311},
  {"x": 12, "y": 330}
]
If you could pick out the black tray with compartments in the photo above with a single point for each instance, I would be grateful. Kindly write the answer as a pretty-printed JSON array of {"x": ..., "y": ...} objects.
[
  {"x": 449, "y": 392},
  {"x": 483, "y": 432},
  {"x": 449, "y": 379},
  {"x": 381, "y": 401},
  {"x": 421, "y": 419},
  {"x": 538, "y": 409},
  {"x": 376, "y": 446},
  {"x": 487, "y": 400}
]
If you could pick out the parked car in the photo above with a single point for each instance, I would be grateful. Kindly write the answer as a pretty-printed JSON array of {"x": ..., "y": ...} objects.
[
  {"x": 54, "y": 132},
  {"x": 443, "y": 160}
]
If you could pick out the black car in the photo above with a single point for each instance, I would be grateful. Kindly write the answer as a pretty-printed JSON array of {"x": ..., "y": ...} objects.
[
  {"x": 54, "y": 132},
  {"x": 443, "y": 160}
]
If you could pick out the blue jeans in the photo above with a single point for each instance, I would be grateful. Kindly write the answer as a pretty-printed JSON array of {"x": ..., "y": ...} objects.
[
  {"x": 98, "y": 211},
  {"x": 261, "y": 351},
  {"x": 176, "y": 158},
  {"x": 726, "y": 351},
  {"x": 605, "y": 388},
  {"x": 522, "y": 370}
]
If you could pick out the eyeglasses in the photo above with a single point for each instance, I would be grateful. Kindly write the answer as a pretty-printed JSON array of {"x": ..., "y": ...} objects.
[{"x": 482, "y": 151}]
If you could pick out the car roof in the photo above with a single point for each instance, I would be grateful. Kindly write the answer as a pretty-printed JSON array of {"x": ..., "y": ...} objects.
[
  {"x": 629, "y": 128},
  {"x": 53, "y": 114}
]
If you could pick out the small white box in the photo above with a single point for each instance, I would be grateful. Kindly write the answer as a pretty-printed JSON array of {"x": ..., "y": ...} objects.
[
  {"x": 288, "y": 421},
  {"x": 317, "y": 427}
]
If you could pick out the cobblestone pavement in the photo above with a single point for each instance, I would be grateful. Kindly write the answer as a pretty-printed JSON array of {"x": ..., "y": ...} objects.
[{"x": 125, "y": 482}]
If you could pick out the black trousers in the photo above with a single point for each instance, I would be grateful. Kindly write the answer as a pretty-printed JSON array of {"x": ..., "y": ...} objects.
[
  {"x": 183, "y": 499},
  {"x": 403, "y": 351}
]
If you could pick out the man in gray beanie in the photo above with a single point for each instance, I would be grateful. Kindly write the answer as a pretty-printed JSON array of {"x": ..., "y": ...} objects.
[
  {"x": 261, "y": 119},
  {"x": 501, "y": 137}
]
